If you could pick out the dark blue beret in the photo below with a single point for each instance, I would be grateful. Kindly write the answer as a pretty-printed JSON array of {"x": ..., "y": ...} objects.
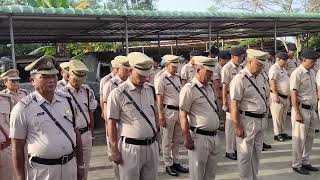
[
  {"x": 310, "y": 54},
  {"x": 237, "y": 51}
]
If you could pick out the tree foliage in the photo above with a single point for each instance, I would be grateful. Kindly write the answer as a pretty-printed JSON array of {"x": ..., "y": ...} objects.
[{"x": 131, "y": 4}]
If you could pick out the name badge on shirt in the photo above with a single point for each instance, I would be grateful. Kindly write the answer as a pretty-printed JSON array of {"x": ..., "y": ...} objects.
[{"x": 40, "y": 114}]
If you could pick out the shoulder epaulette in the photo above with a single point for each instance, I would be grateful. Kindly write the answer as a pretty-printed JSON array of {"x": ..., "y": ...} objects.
[
  {"x": 85, "y": 86},
  {"x": 4, "y": 91},
  {"x": 27, "y": 99},
  {"x": 62, "y": 93},
  {"x": 23, "y": 90},
  {"x": 5, "y": 95}
]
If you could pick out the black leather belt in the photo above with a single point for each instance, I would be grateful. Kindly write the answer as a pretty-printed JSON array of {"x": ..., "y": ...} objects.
[
  {"x": 144, "y": 142},
  {"x": 84, "y": 130},
  {"x": 203, "y": 132},
  {"x": 171, "y": 107},
  {"x": 281, "y": 95},
  {"x": 62, "y": 160},
  {"x": 250, "y": 114},
  {"x": 304, "y": 106}
]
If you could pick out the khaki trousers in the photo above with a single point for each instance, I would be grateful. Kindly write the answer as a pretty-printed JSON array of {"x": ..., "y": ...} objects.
[
  {"x": 139, "y": 162},
  {"x": 250, "y": 147},
  {"x": 86, "y": 150},
  {"x": 109, "y": 153},
  {"x": 171, "y": 137},
  {"x": 67, "y": 171},
  {"x": 203, "y": 159},
  {"x": 302, "y": 136},
  {"x": 231, "y": 146},
  {"x": 6, "y": 166},
  {"x": 279, "y": 115}
]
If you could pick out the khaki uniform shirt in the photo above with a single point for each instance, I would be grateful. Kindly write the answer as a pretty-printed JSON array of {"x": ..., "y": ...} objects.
[
  {"x": 292, "y": 64},
  {"x": 187, "y": 72},
  {"x": 109, "y": 86},
  {"x": 243, "y": 91},
  {"x": 61, "y": 84},
  {"x": 86, "y": 103},
  {"x": 165, "y": 88},
  {"x": 43, "y": 137},
  {"x": 130, "y": 122},
  {"x": 280, "y": 75},
  {"x": 201, "y": 114},
  {"x": 158, "y": 74},
  {"x": 153, "y": 75},
  {"x": 217, "y": 72},
  {"x": 318, "y": 78},
  {"x": 103, "y": 81},
  {"x": 16, "y": 97},
  {"x": 267, "y": 66},
  {"x": 5, "y": 107},
  {"x": 229, "y": 71},
  {"x": 303, "y": 81}
]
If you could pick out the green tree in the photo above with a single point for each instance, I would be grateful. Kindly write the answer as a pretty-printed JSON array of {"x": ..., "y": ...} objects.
[
  {"x": 131, "y": 4},
  {"x": 13, "y": 2}
]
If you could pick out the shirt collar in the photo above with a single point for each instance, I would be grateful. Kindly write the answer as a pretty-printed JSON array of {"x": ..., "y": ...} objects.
[
  {"x": 246, "y": 70},
  {"x": 40, "y": 99},
  {"x": 167, "y": 73},
  {"x": 197, "y": 82},
  {"x": 10, "y": 92},
  {"x": 304, "y": 70},
  {"x": 72, "y": 89},
  {"x": 118, "y": 79},
  {"x": 133, "y": 87}
]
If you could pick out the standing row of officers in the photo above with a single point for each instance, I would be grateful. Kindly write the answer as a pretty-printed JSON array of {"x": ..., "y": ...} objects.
[{"x": 47, "y": 134}]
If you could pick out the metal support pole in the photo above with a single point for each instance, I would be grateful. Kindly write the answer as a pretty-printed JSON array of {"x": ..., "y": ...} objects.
[
  {"x": 127, "y": 36},
  {"x": 176, "y": 47},
  {"x": 143, "y": 49},
  {"x": 275, "y": 36},
  {"x": 307, "y": 40},
  {"x": 206, "y": 46},
  {"x": 159, "y": 52},
  {"x": 13, "y": 53},
  {"x": 222, "y": 45},
  {"x": 218, "y": 40},
  {"x": 209, "y": 36},
  {"x": 171, "y": 47}
]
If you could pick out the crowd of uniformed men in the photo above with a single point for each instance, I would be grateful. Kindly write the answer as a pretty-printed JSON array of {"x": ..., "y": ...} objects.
[{"x": 47, "y": 134}]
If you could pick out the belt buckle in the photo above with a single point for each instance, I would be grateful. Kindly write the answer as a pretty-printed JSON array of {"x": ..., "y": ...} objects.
[
  {"x": 149, "y": 141},
  {"x": 64, "y": 159}
]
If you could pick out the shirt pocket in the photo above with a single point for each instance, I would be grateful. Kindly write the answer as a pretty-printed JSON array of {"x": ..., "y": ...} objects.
[
  {"x": 130, "y": 110},
  {"x": 42, "y": 123}
]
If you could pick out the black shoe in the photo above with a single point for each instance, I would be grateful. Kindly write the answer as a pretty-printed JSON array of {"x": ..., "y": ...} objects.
[
  {"x": 279, "y": 138},
  {"x": 171, "y": 171},
  {"x": 317, "y": 130},
  {"x": 232, "y": 156},
  {"x": 180, "y": 168},
  {"x": 309, "y": 168},
  {"x": 286, "y": 136},
  {"x": 266, "y": 146},
  {"x": 300, "y": 170}
]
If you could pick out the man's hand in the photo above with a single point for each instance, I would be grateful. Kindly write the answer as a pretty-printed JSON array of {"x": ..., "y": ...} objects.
[
  {"x": 225, "y": 107},
  {"x": 275, "y": 98},
  {"x": 162, "y": 121},
  {"x": 299, "y": 117},
  {"x": 239, "y": 131},
  {"x": 116, "y": 156},
  {"x": 80, "y": 173},
  {"x": 188, "y": 143}
]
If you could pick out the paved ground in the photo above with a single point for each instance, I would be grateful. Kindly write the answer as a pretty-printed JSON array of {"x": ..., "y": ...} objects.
[{"x": 275, "y": 163}]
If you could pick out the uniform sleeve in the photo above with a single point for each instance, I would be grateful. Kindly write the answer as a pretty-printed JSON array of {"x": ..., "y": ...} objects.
[
  {"x": 106, "y": 91},
  {"x": 216, "y": 75},
  {"x": 184, "y": 73},
  {"x": 93, "y": 101},
  {"x": 18, "y": 122},
  {"x": 185, "y": 98},
  {"x": 273, "y": 75},
  {"x": 113, "y": 105},
  {"x": 102, "y": 82},
  {"x": 294, "y": 81},
  {"x": 318, "y": 78},
  {"x": 236, "y": 88},
  {"x": 159, "y": 86},
  {"x": 225, "y": 76}
]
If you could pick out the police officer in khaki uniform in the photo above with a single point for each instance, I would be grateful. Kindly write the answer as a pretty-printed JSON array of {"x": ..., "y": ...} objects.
[
  {"x": 223, "y": 58},
  {"x": 132, "y": 107},
  {"x": 228, "y": 72},
  {"x": 85, "y": 102},
  {"x": 11, "y": 81},
  {"x": 6, "y": 165},
  {"x": 200, "y": 121},
  {"x": 187, "y": 71},
  {"x": 167, "y": 87},
  {"x": 107, "y": 78},
  {"x": 248, "y": 112},
  {"x": 292, "y": 63},
  {"x": 65, "y": 75},
  {"x": 45, "y": 122},
  {"x": 303, "y": 113},
  {"x": 156, "y": 68},
  {"x": 122, "y": 75},
  {"x": 279, "y": 93}
]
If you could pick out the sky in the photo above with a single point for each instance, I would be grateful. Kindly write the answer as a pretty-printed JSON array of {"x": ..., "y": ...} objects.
[{"x": 184, "y": 5}]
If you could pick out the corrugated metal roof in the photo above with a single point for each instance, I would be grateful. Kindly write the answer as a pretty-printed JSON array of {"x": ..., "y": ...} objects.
[{"x": 70, "y": 25}]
